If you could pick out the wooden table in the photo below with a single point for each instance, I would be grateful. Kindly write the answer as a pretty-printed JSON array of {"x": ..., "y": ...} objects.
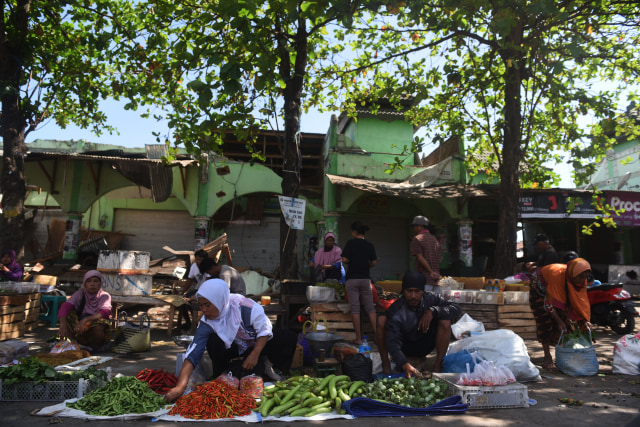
[
  {"x": 271, "y": 309},
  {"x": 148, "y": 300}
]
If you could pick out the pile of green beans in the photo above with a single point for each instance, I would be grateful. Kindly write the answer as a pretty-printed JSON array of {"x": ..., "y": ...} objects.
[{"x": 123, "y": 395}]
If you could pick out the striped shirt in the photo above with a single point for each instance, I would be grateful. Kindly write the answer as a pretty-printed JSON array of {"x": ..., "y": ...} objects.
[{"x": 426, "y": 244}]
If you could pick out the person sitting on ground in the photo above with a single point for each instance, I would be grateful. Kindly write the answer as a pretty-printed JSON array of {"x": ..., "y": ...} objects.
[
  {"x": 414, "y": 325},
  {"x": 233, "y": 326},
  {"x": 10, "y": 269},
  {"x": 230, "y": 275},
  {"x": 85, "y": 316}
]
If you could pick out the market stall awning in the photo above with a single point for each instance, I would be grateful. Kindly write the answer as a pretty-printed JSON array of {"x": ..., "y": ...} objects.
[{"x": 414, "y": 191}]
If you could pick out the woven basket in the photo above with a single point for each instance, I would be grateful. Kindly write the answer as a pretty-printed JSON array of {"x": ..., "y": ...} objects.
[
  {"x": 576, "y": 361},
  {"x": 129, "y": 338}
]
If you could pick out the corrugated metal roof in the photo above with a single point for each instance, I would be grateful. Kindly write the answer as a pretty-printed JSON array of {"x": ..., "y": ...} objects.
[
  {"x": 414, "y": 191},
  {"x": 44, "y": 155}
]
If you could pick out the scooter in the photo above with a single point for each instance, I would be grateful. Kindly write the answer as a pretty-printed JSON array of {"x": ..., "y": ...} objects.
[{"x": 612, "y": 306}]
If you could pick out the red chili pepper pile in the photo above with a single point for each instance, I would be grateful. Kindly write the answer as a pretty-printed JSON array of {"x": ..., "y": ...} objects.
[
  {"x": 213, "y": 400},
  {"x": 158, "y": 380}
]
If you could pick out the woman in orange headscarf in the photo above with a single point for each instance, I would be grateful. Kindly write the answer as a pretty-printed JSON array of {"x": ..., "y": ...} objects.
[{"x": 566, "y": 303}]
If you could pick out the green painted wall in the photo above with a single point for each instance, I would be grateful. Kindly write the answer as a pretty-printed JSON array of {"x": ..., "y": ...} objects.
[{"x": 383, "y": 139}]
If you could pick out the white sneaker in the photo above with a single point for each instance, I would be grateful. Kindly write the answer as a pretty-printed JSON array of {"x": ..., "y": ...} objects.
[{"x": 270, "y": 371}]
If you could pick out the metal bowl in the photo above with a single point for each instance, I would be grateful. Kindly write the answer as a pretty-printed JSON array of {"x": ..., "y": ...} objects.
[
  {"x": 322, "y": 340},
  {"x": 183, "y": 340}
]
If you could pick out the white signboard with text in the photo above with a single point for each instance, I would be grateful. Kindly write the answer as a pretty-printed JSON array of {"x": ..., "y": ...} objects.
[{"x": 293, "y": 210}]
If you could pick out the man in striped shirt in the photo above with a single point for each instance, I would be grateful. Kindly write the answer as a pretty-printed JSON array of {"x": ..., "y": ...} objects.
[{"x": 426, "y": 250}]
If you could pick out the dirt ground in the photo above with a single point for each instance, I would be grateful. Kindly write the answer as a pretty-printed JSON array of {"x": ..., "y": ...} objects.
[{"x": 611, "y": 400}]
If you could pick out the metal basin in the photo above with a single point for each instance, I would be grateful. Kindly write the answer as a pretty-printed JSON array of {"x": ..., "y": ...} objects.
[
  {"x": 322, "y": 340},
  {"x": 183, "y": 340}
]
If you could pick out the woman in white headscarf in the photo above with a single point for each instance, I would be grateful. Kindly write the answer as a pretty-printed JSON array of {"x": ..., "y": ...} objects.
[{"x": 234, "y": 326}]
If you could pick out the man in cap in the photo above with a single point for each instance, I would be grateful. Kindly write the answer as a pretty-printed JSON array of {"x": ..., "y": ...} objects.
[
  {"x": 546, "y": 253},
  {"x": 426, "y": 250},
  {"x": 414, "y": 325}
]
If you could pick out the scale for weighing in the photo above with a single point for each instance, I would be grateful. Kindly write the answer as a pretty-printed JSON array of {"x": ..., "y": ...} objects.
[
  {"x": 321, "y": 343},
  {"x": 325, "y": 365}
]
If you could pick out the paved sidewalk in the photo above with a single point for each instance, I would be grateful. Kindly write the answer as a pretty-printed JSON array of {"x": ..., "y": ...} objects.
[{"x": 609, "y": 400}]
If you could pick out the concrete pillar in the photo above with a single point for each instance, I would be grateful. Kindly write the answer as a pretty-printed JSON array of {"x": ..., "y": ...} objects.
[{"x": 72, "y": 237}]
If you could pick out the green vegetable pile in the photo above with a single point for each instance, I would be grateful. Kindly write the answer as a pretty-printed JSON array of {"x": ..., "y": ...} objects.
[
  {"x": 413, "y": 392},
  {"x": 576, "y": 339},
  {"x": 339, "y": 287},
  {"x": 31, "y": 369},
  {"x": 123, "y": 395},
  {"x": 304, "y": 396}
]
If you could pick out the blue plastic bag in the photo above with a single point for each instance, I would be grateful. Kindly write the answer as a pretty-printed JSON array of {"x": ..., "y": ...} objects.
[{"x": 457, "y": 362}]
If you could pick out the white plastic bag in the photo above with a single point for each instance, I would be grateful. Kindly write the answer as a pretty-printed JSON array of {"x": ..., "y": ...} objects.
[
  {"x": 503, "y": 347},
  {"x": 63, "y": 345},
  {"x": 466, "y": 324},
  {"x": 200, "y": 374},
  {"x": 626, "y": 355}
]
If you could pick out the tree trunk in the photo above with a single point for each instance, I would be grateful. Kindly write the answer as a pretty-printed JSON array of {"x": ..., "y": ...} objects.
[
  {"x": 290, "y": 187},
  {"x": 291, "y": 157},
  {"x": 506, "y": 244},
  {"x": 12, "y": 126}
]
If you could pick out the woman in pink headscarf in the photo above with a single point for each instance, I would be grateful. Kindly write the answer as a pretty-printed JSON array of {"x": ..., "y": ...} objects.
[
  {"x": 85, "y": 316},
  {"x": 327, "y": 261}
]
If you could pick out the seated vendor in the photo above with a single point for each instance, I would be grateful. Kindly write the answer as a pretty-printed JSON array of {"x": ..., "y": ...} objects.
[
  {"x": 85, "y": 316},
  {"x": 414, "y": 325},
  {"x": 233, "y": 326},
  {"x": 10, "y": 269}
]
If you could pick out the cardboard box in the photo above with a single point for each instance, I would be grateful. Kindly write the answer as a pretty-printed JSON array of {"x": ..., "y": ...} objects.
[
  {"x": 127, "y": 284},
  {"x": 126, "y": 262},
  {"x": 471, "y": 282},
  {"x": 391, "y": 285}
]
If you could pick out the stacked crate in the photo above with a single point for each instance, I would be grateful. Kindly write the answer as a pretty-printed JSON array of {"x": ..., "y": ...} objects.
[
  {"x": 339, "y": 320},
  {"x": 516, "y": 317},
  {"x": 18, "y": 314}
]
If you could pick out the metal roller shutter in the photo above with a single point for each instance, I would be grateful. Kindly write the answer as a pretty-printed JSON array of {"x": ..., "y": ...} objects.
[
  {"x": 155, "y": 229},
  {"x": 390, "y": 237}
]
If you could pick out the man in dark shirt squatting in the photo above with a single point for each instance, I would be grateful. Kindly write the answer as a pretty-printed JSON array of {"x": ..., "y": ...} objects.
[{"x": 416, "y": 324}]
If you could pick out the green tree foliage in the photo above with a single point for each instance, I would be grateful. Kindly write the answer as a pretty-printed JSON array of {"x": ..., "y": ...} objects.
[
  {"x": 512, "y": 77},
  {"x": 227, "y": 69},
  {"x": 58, "y": 59}
]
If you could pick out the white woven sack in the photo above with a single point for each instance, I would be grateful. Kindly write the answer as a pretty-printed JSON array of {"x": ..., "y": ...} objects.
[{"x": 626, "y": 355}]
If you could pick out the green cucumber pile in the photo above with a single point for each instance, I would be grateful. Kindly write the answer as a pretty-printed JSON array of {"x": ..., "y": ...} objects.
[
  {"x": 413, "y": 392},
  {"x": 305, "y": 396}
]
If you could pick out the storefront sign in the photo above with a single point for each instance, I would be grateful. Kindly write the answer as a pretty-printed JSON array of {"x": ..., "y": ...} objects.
[
  {"x": 293, "y": 210},
  {"x": 558, "y": 204},
  {"x": 630, "y": 202}
]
